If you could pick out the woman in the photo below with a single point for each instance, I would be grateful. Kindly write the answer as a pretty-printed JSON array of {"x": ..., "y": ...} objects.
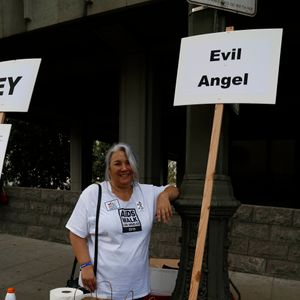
[{"x": 127, "y": 212}]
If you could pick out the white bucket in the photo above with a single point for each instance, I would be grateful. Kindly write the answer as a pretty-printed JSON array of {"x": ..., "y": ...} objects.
[{"x": 162, "y": 281}]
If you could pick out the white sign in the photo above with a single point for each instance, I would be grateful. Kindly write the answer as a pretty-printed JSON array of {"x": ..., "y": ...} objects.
[
  {"x": 229, "y": 67},
  {"x": 17, "y": 79},
  {"x": 4, "y": 136},
  {"x": 244, "y": 7}
]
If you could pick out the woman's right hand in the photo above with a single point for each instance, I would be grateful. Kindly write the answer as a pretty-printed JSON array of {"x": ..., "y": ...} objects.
[
  {"x": 88, "y": 278},
  {"x": 80, "y": 249}
]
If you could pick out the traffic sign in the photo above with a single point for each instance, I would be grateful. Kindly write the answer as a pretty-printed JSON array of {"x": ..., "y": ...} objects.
[{"x": 244, "y": 7}]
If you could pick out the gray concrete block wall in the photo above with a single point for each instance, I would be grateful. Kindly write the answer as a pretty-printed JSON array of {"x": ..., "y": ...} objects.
[
  {"x": 263, "y": 240},
  {"x": 43, "y": 213},
  {"x": 37, "y": 213},
  {"x": 165, "y": 239}
]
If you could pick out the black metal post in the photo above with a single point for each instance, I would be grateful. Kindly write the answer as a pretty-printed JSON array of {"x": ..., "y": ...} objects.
[{"x": 214, "y": 283}]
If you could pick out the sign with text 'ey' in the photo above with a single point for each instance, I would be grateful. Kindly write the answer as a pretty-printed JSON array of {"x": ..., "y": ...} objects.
[
  {"x": 17, "y": 79},
  {"x": 229, "y": 67}
]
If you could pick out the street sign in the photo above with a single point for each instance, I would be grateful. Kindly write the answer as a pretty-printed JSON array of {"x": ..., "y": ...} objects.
[
  {"x": 229, "y": 67},
  {"x": 244, "y": 7}
]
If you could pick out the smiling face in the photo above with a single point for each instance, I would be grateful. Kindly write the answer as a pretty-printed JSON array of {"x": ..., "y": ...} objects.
[{"x": 120, "y": 171}]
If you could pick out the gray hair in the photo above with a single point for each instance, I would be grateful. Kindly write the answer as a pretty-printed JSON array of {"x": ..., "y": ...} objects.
[{"x": 130, "y": 155}]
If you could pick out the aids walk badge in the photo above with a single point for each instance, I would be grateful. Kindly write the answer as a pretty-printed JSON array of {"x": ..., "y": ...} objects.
[{"x": 130, "y": 220}]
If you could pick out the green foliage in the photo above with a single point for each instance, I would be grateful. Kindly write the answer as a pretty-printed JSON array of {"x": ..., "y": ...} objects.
[
  {"x": 37, "y": 156},
  {"x": 98, "y": 167},
  {"x": 172, "y": 169}
]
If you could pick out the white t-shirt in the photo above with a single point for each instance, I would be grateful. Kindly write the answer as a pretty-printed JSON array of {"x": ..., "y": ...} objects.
[{"x": 123, "y": 240}]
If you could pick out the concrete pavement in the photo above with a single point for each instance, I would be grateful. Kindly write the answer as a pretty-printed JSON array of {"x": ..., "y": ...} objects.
[
  {"x": 256, "y": 287},
  {"x": 34, "y": 267}
]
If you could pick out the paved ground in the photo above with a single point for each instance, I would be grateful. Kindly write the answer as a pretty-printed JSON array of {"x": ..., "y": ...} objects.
[
  {"x": 34, "y": 267},
  {"x": 254, "y": 287}
]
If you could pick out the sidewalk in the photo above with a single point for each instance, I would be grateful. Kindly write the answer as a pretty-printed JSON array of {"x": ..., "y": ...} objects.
[
  {"x": 256, "y": 287},
  {"x": 34, "y": 267}
]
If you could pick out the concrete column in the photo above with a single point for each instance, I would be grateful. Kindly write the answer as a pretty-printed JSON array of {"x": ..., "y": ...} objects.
[
  {"x": 214, "y": 283},
  {"x": 132, "y": 121},
  {"x": 138, "y": 125}
]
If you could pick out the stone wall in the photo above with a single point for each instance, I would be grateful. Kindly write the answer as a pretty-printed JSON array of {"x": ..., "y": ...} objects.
[
  {"x": 37, "y": 213},
  {"x": 266, "y": 241},
  {"x": 263, "y": 240}
]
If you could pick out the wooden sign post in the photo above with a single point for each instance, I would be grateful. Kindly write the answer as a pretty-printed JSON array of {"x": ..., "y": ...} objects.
[
  {"x": 224, "y": 67},
  {"x": 206, "y": 201},
  {"x": 2, "y": 117}
]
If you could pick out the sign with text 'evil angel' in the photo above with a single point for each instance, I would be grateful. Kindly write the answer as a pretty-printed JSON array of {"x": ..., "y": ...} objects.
[
  {"x": 17, "y": 79},
  {"x": 229, "y": 67}
]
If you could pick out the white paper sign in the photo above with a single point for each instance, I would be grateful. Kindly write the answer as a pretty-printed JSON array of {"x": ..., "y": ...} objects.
[
  {"x": 229, "y": 67},
  {"x": 4, "y": 136},
  {"x": 17, "y": 79}
]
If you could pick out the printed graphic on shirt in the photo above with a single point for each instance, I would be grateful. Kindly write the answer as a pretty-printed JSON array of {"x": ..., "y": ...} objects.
[
  {"x": 139, "y": 206},
  {"x": 129, "y": 220},
  {"x": 112, "y": 204}
]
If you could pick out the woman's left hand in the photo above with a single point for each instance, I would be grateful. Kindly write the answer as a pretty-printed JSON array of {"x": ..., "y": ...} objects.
[{"x": 163, "y": 207}]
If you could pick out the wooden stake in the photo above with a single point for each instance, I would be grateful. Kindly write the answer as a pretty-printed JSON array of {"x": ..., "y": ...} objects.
[
  {"x": 2, "y": 117},
  {"x": 206, "y": 202},
  {"x": 206, "y": 199}
]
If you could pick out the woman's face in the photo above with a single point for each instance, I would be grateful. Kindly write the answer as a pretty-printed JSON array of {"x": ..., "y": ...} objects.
[{"x": 120, "y": 171}]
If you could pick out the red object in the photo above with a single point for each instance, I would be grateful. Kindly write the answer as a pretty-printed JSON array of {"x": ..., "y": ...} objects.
[
  {"x": 3, "y": 198},
  {"x": 10, "y": 290}
]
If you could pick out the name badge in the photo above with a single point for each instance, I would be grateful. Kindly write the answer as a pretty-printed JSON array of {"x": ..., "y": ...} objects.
[{"x": 112, "y": 205}]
